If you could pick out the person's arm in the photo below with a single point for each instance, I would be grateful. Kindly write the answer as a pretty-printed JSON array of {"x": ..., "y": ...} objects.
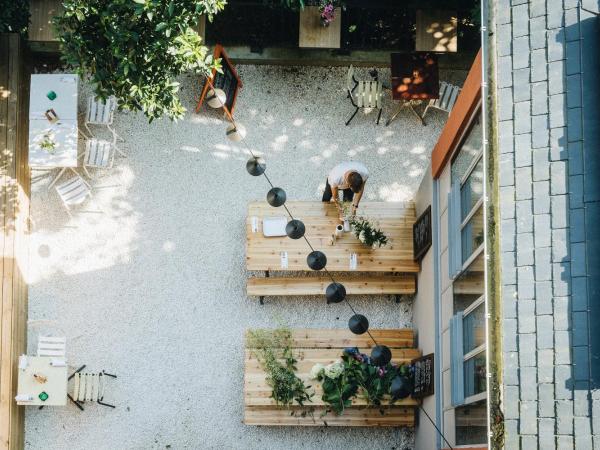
[
  {"x": 357, "y": 198},
  {"x": 334, "y": 194}
]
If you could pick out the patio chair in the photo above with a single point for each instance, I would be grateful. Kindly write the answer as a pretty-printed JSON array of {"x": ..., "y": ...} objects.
[
  {"x": 102, "y": 113},
  {"x": 73, "y": 192},
  {"x": 446, "y": 100},
  {"x": 52, "y": 346},
  {"x": 89, "y": 387},
  {"x": 368, "y": 94},
  {"x": 99, "y": 154}
]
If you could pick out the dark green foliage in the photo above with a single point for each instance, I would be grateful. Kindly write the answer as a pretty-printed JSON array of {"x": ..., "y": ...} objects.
[
  {"x": 14, "y": 16},
  {"x": 134, "y": 49}
]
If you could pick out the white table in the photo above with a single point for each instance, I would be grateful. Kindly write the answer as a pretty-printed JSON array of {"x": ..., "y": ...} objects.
[
  {"x": 64, "y": 132},
  {"x": 55, "y": 386}
]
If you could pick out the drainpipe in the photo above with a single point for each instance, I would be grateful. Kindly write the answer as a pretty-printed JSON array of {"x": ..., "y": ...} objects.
[{"x": 485, "y": 119}]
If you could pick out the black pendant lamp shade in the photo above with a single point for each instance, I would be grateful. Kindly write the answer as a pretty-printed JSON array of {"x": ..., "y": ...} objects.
[
  {"x": 335, "y": 293},
  {"x": 276, "y": 197},
  {"x": 255, "y": 167},
  {"x": 381, "y": 355},
  {"x": 295, "y": 229},
  {"x": 401, "y": 387},
  {"x": 358, "y": 324},
  {"x": 316, "y": 260}
]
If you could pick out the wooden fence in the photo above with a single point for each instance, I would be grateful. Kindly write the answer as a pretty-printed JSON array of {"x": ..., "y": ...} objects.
[{"x": 14, "y": 219}]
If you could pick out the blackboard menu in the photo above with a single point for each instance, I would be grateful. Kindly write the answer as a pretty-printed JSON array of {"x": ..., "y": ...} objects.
[
  {"x": 424, "y": 376},
  {"x": 228, "y": 81},
  {"x": 422, "y": 235}
]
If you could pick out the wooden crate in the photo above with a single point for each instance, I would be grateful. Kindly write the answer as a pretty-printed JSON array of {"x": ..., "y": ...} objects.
[{"x": 325, "y": 346}]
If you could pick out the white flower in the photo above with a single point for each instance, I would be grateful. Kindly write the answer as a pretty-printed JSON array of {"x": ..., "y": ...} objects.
[
  {"x": 316, "y": 371},
  {"x": 374, "y": 246},
  {"x": 334, "y": 370}
]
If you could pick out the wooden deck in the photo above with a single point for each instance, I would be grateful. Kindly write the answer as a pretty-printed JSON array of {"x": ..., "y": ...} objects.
[
  {"x": 326, "y": 346},
  {"x": 14, "y": 216}
]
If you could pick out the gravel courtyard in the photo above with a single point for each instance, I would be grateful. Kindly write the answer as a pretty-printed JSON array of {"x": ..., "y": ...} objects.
[{"x": 147, "y": 280}]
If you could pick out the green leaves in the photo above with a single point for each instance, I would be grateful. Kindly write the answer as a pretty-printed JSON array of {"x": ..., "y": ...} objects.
[{"x": 135, "y": 49}]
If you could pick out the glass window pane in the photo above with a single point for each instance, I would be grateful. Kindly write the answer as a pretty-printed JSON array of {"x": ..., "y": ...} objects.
[
  {"x": 471, "y": 191},
  {"x": 471, "y": 424},
  {"x": 472, "y": 235},
  {"x": 468, "y": 286},
  {"x": 469, "y": 150},
  {"x": 475, "y": 375},
  {"x": 474, "y": 329}
]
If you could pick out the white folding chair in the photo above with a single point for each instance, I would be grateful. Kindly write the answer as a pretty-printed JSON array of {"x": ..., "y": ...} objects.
[
  {"x": 52, "y": 346},
  {"x": 99, "y": 154},
  {"x": 73, "y": 192},
  {"x": 446, "y": 100},
  {"x": 368, "y": 94},
  {"x": 102, "y": 113},
  {"x": 89, "y": 387}
]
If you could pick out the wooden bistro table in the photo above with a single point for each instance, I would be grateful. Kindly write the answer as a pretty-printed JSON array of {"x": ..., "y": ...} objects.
[
  {"x": 283, "y": 254},
  {"x": 63, "y": 132},
  {"x": 415, "y": 78},
  {"x": 30, "y": 391}
]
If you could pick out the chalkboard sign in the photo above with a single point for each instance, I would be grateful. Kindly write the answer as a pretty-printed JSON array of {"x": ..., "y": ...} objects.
[
  {"x": 422, "y": 235},
  {"x": 229, "y": 80},
  {"x": 424, "y": 376}
]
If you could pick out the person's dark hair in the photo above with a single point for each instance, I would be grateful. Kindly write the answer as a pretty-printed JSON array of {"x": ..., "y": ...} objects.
[{"x": 355, "y": 181}]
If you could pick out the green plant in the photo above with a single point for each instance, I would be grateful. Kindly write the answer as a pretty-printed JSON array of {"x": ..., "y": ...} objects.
[
  {"x": 14, "y": 16},
  {"x": 270, "y": 347},
  {"x": 354, "y": 375},
  {"x": 366, "y": 233},
  {"x": 134, "y": 49},
  {"x": 47, "y": 143}
]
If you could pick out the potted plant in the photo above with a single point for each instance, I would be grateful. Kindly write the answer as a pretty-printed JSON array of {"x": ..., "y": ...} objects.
[
  {"x": 327, "y": 11},
  {"x": 47, "y": 142}
]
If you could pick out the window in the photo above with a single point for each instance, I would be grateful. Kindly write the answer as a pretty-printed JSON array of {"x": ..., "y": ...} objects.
[
  {"x": 471, "y": 423},
  {"x": 465, "y": 201}
]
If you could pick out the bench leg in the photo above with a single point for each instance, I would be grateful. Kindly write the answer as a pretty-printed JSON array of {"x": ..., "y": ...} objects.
[
  {"x": 261, "y": 299},
  {"x": 397, "y": 298}
]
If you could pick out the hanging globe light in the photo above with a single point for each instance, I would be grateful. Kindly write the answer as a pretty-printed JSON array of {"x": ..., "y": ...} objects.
[
  {"x": 401, "y": 387},
  {"x": 276, "y": 197},
  {"x": 358, "y": 324},
  {"x": 335, "y": 293},
  {"x": 256, "y": 166},
  {"x": 316, "y": 260},
  {"x": 236, "y": 132},
  {"x": 381, "y": 355},
  {"x": 295, "y": 229},
  {"x": 216, "y": 98}
]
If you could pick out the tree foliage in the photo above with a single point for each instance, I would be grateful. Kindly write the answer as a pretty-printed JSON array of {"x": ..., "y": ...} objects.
[
  {"x": 14, "y": 16},
  {"x": 135, "y": 49}
]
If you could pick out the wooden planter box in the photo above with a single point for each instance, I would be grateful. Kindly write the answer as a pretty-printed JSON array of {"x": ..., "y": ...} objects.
[
  {"x": 315, "y": 35},
  {"x": 326, "y": 346}
]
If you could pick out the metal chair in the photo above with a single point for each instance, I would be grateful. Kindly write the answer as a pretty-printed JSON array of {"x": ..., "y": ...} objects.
[
  {"x": 102, "y": 113},
  {"x": 446, "y": 100},
  {"x": 52, "y": 346},
  {"x": 368, "y": 94},
  {"x": 99, "y": 154},
  {"x": 89, "y": 387},
  {"x": 73, "y": 192}
]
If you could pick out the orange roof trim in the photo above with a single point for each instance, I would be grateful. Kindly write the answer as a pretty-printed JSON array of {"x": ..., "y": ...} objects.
[{"x": 465, "y": 106}]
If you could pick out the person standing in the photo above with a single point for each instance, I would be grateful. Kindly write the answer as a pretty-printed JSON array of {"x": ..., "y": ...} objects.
[{"x": 350, "y": 177}]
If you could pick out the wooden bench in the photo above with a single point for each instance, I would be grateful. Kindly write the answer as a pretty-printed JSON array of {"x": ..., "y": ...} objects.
[
  {"x": 316, "y": 285},
  {"x": 325, "y": 346}
]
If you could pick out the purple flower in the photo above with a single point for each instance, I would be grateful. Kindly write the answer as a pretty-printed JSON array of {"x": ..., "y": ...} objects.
[{"x": 381, "y": 372}]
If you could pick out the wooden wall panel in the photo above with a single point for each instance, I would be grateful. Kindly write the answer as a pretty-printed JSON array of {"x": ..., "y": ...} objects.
[{"x": 14, "y": 218}]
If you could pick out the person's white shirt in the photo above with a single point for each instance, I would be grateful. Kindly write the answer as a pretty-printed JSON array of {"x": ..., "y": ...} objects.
[{"x": 337, "y": 174}]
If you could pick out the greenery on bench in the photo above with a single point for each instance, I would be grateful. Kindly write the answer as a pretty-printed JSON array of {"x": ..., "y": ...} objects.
[
  {"x": 367, "y": 233},
  {"x": 270, "y": 347},
  {"x": 355, "y": 375},
  {"x": 135, "y": 49}
]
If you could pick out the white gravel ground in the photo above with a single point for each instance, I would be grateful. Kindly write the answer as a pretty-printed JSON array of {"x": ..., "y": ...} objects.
[{"x": 147, "y": 280}]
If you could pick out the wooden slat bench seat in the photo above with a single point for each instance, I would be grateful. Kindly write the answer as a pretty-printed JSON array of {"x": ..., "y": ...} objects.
[
  {"x": 298, "y": 286},
  {"x": 325, "y": 346}
]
